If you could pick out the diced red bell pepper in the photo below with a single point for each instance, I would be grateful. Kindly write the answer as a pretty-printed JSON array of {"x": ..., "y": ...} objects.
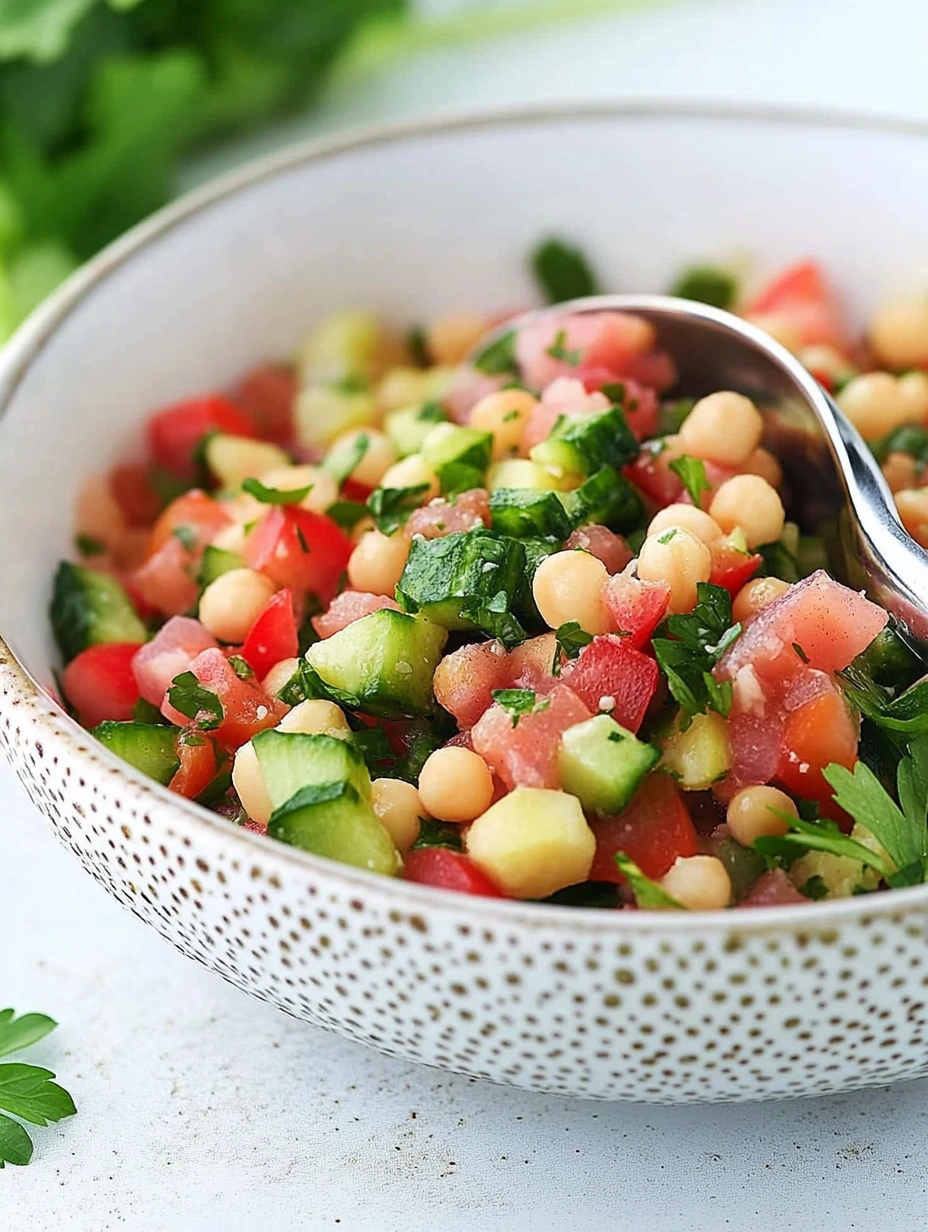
[
  {"x": 637, "y": 607},
  {"x": 273, "y": 636},
  {"x": 175, "y": 432},
  {"x": 819, "y": 733},
  {"x": 299, "y": 549},
  {"x": 266, "y": 394},
  {"x": 652, "y": 831},
  {"x": 247, "y": 709},
  {"x": 198, "y": 763},
  {"x": 99, "y": 683},
  {"x": 449, "y": 870},
  {"x": 612, "y": 677},
  {"x": 732, "y": 568}
]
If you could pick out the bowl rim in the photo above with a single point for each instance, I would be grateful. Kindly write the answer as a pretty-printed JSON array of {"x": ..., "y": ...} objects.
[{"x": 29, "y": 340}]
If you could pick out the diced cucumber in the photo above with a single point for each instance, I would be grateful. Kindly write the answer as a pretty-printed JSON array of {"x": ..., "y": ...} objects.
[
  {"x": 215, "y": 562},
  {"x": 401, "y": 387},
  {"x": 467, "y": 580},
  {"x": 602, "y": 764},
  {"x": 342, "y": 345},
  {"x": 408, "y": 427},
  {"x": 149, "y": 747},
  {"x": 323, "y": 412},
  {"x": 234, "y": 458},
  {"x": 90, "y": 608},
  {"x": 699, "y": 756},
  {"x": 290, "y": 761},
  {"x": 584, "y": 445},
  {"x": 526, "y": 511},
  {"x": 332, "y": 820},
  {"x": 607, "y": 498},
  {"x": 889, "y": 661},
  {"x": 459, "y": 456},
  {"x": 383, "y": 663},
  {"x": 521, "y": 473}
]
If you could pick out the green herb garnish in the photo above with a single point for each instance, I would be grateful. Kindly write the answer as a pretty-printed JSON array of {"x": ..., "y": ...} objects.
[
  {"x": 391, "y": 507},
  {"x": 188, "y": 696},
  {"x": 186, "y": 535},
  {"x": 562, "y": 271},
  {"x": 241, "y": 667},
  {"x": 275, "y": 496},
  {"x": 707, "y": 284},
  {"x": 814, "y": 888},
  {"x": 570, "y": 640},
  {"x": 693, "y": 473},
  {"x": 347, "y": 514},
  {"x": 702, "y": 637},
  {"x": 519, "y": 702},
  {"x": 647, "y": 892},
  {"x": 418, "y": 346},
  {"x": 26, "y": 1091},
  {"x": 558, "y": 350},
  {"x": 498, "y": 358},
  {"x": 88, "y": 546}
]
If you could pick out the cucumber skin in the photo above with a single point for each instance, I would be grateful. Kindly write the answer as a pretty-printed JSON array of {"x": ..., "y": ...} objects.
[
  {"x": 90, "y": 609},
  {"x": 332, "y": 820},
  {"x": 152, "y": 746}
]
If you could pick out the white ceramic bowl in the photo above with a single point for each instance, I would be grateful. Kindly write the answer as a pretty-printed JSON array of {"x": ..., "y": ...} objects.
[{"x": 660, "y": 1007}]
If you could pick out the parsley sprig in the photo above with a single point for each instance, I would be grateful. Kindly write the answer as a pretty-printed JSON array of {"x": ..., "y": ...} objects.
[
  {"x": 275, "y": 496},
  {"x": 692, "y": 471},
  {"x": 391, "y": 507},
  {"x": 570, "y": 640},
  {"x": 647, "y": 892},
  {"x": 697, "y": 642},
  {"x": 28, "y": 1092},
  {"x": 558, "y": 350},
  {"x": 519, "y": 702}
]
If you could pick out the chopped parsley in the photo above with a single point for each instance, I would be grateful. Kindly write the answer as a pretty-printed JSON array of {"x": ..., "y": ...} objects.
[
  {"x": 697, "y": 642},
  {"x": 802, "y": 654},
  {"x": 437, "y": 834},
  {"x": 562, "y": 271},
  {"x": 391, "y": 507},
  {"x": 88, "y": 546},
  {"x": 144, "y": 712},
  {"x": 188, "y": 696},
  {"x": 187, "y": 536},
  {"x": 615, "y": 392},
  {"x": 417, "y": 344},
  {"x": 814, "y": 888},
  {"x": 647, "y": 892},
  {"x": 347, "y": 514},
  {"x": 498, "y": 358},
  {"x": 692, "y": 471},
  {"x": 519, "y": 702},
  {"x": 341, "y": 460},
  {"x": 275, "y": 496},
  {"x": 558, "y": 350},
  {"x": 241, "y": 667},
  {"x": 304, "y": 546},
  {"x": 910, "y": 439},
  {"x": 707, "y": 284},
  {"x": 570, "y": 640}
]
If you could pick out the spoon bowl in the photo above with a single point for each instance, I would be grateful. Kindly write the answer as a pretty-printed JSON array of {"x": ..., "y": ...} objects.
[{"x": 834, "y": 484}]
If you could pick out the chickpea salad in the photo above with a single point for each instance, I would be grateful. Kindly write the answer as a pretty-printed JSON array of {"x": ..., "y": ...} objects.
[{"x": 512, "y": 618}]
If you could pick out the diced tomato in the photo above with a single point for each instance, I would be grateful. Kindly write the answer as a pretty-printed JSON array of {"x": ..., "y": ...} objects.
[
  {"x": 612, "y": 677},
  {"x": 449, "y": 870},
  {"x": 246, "y": 708},
  {"x": 606, "y": 344},
  {"x": 604, "y": 544},
  {"x": 266, "y": 394},
  {"x": 170, "y": 652},
  {"x": 349, "y": 606},
  {"x": 565, "y": 396},
  {"x": 196, "y": 518},
  {"x": 165, "y": 580},
  {"x": 531, "y": 664},
  {"x": 818, "y": 733},
  {"x": 464, "y": 680},
  {"x": 354, "y": 491},
  {"x": 652, "y": 476},
  {"x": 525, "y": 755},
  {"x": 640, "y": 403},
  {"x": 175, "y": 432},
  {"x": 299, "y": 549},
  {"x": 273, "y": 636},
  {"x": 198, "y": 763},
  {"x": 99, "y": 683},
  {"x": 773, "y": 889},
  {"x": 131, "y": 486},
  {"x": 732, "y": 568},
  {"x": 440, "y": 517},
  {"x": 637, "y": 607},
  {"x": 653, "y": 831},
  {"x": 801, "y": 295}
]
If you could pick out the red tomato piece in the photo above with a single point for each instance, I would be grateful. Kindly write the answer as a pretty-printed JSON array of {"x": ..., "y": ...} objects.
[
  {"x": 349, "y": 606},
  {"x": 170, "y": 652},
  {"x": 653, "y": 831},
  {"x": 818, "y": 733},
  {"x": 247, "y": 709},
  {"x": 299, "y": 549},
  {"x": 197, "y": 517},
  {"x": 602, "y": 543},
  {"x": 131, "y": 486},
  {"x": 175, "y": 432},
  {"x": 198, "y": 764},
  {"x": 165, "y": 581},
  {"x": 99, "y": 683},
  {"x": 801, "y": 295},
  {"x": 273, "y": 636},
  {"x": 464, "y": 680},
  {"x": 440, "y": 517},
  {"x": 637, "y": 607},
  {"x": 640, "y": 403},
  {"x": 525, "y": 755},
  {"x": 354, "y": 491},
  {"x": 266, "y": 394},
  {"x": 732, "y": 568},
  {"x": 449, "y": 870},
  {"x": 607, "y": 344},
  {"x": 652, "y": 476},
  {"x": 608, "y": 670}
]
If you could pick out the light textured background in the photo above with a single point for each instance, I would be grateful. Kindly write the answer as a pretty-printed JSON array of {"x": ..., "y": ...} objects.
[{"x": 202, "y": 1109}]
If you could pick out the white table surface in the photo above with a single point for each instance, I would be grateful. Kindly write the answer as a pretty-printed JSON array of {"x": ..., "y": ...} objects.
[{"x": 202, "y": 1109}]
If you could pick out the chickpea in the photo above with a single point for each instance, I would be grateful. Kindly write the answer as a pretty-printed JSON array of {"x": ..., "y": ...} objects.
[
  {"x": 826, "y": 361},
  {"x": 899, "y": 332},
  {"x": 505, "y": 414},
  {"x": 409, "y": 473},
  {"x": 280, "y": 675},
  {"x": 378, "y": 457},
  {"x": 449, "y": 338},
  {"x": 751, "y": 503},
  {"x": 97, "y": 513},
  {"x": 231, "y": 604},
  {"x": 378, "y": 561},
  {"x": 247, "y": 781},
  {"x": 913, "y": 388},
  {"x": 750, "y": 814},
  {"x": 315, "y": 717},
  {"x": 763, "y": 463},
  {"x": 901, "y": 471},
  {"x": 569, "y": 586},
  {"x": 700, "y": 883},
  {"x": 725, "y": 427},
  {"x": 231, "y": 538},
  {"x": 399, "y": 808},
  {"x": 912, "y": 504},
  {"x": 780, "y": 328},
  {"x": 874, "y": 404},
  {"x": 455, "y": 784},
  {"x": 323, "y": 488},
  {"x": 755, "y": 595},
  {"x": 678, "y": 558},
  {"x": 690, "y": 518},
  {"x": 244, "y": 508}
]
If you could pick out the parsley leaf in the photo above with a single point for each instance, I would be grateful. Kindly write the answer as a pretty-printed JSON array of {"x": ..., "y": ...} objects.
[
  {"x": 814, "y": 888},
  {"x": 188, "y": 696},
  {"x": 438, "y": 834},
  {"x": 707, "y": 284},
  {"x": 417, "y": 344},
  {"x": 241, "y": 667},
  {"x": 701, "y": 638},
  {"x": 24, "y": 1031},
  {"x": 906, "y": 714},
  {"x": 562, "y": 271},
  {"x": 570, "y": 640},
  {"x": 275, "y": 496},
  {"x": 819, "y": 836},
  {"x": 187, "y": 536},
  {"x": 558, "y": 350},
  {"x": 391, "y": 507},
  {"x": 347, "y": 514},
  {"x": 910, "y": 439},
  {"x": 498, "y": 358},
  {"x": 342, "y": 459},
  {"x": 647, "y": 892},
  {"x": 519, "y": 702},
  {"x": 693, "y": 473},
  {"x": 88, "y": 546},
  {"x": 26, "y": 1091}
]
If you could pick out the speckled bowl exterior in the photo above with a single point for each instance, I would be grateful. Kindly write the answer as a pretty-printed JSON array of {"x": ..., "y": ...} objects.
[{"x": 659, "y": 1007}]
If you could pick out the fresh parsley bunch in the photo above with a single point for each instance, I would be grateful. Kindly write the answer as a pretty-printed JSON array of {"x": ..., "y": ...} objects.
[{"x": 27, "y": 1092}]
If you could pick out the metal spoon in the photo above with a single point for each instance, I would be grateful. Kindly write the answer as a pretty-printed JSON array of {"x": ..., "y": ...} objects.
[{"x": 833, "y": 480}]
